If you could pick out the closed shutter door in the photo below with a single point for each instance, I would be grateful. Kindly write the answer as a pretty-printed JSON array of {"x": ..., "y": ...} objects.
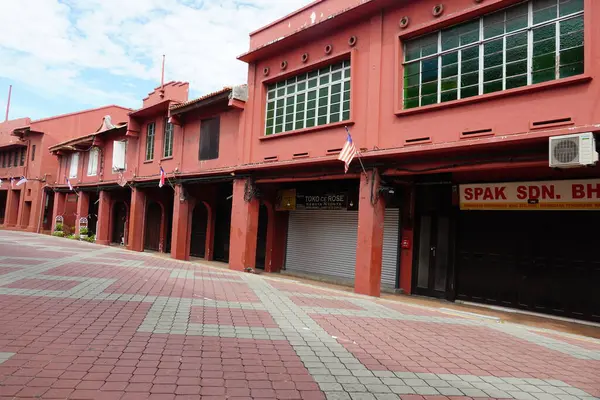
[
  {"x": 322, "y": 242},
  {"x": 390, "y": 248}
]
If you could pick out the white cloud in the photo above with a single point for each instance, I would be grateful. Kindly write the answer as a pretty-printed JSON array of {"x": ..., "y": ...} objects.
[{"x": 54, "y": 46}]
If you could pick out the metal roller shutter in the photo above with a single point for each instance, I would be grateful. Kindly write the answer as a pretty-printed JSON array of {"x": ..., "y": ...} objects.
[
  {"x": 389, "y": 268},
  {"x": 322, "y": 242}
]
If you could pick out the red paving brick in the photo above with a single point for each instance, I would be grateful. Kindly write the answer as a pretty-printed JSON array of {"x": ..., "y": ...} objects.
[
  {"x": 42, "y": 284},
  {"x": 7, "y": 270},
  {"x": 324, "y": 303},
  {"x": 412, "y": 310}
]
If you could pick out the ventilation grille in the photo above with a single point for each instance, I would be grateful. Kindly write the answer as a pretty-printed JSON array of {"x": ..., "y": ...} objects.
[
  {"x": 565, "y": 151},
  {"x": 425, "y": 139},
  {"x": 300, "y": 155},
  {"x": 271, "y": 158},
  {"x": 551, "y": 122},
  {"x": 478, "y": 132},
  {"x": 334, "y": 151}
]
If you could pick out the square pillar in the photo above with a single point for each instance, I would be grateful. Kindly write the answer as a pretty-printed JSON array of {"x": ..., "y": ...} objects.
[
  {"x": 137, "y": 213},
  {"x": 103, "y": 230},
  {"x": 369, "y": 243},
  {"x": 408, "y": 233},
  {"x": 83, "y": 207},
  {"x": 210, "y": 231},
  {"x": 59, "y": 207},
  {"x": 244, "y": 226},
  {"x": 182, "y": 225},
  {"x": 10, "y": 216}
]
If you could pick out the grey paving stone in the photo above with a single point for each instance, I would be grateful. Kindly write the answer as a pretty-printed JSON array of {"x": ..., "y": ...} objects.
[
  {"x": 449, "y": 391},
  {"x": 362, "y": 396},
  {"x": 377, "y": 388},
  {"x": 449, "y": 377},
  {"x": 437, "y": 383},
  {"x": 386, "y": 396},
  {"x": 556, "y": 382},
  {"x": 402, "y": 389},
  {"x": 392, "y": 381},
  {"x": 498, "y": 394},
  {"x": 354, "y": 387},
  {"x": 337, "y": 396},
  {"x": 552, "y": 389},
  {"x": 544, "y": 396},
  {"x": 425, "y": 390},
  {"x": 384, "y": 374},
  {"x": 330, "y": 386},
  {"x": 346, "y": 379},
  {"x": 507, "y": 387},
  {"x": 473, "y": 392},
  {"x": 415, "y": 382},
  {"x": 574, "y": 391},
  {"x": 369, "y": 380},
  {"x": 530, "y": 388},
  {"x": 522, "y": 396},
  {"x": 409, "y": 375}
]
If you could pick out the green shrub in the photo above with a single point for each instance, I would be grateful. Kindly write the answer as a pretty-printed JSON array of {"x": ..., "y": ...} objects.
[
  {"x": 71, "y": 236},
  {"x": 91, "y": 238},
  {"x": 58, "y": 227},
  {"x": 83, "y": 231},
  {"x": 58, "y": 233}
]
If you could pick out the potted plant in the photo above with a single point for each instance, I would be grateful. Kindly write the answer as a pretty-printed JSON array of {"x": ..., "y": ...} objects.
[
  {"x": 83, "y": 233},
  {"x": 58, "y": 230}
]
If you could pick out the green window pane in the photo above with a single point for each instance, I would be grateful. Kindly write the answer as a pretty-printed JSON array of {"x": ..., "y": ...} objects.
[
  {"x": 300, "y": 106},
  {"x": 271, "y": 95},
  {"x": 336, "y": 76},
  {"x": 280, "y": 103},
  {"x": 299, "y": 125},
  {"x": 450, "y": 70},
  {"x": 516, "y": 82},
  {"x": 346, "y": 106},
  {"x": 410, "y": 103},
  {"x": 269, "y": 131},
  {"x": 281, "y": 92},
  {"x": 322, "y": 120},
  {"x": 492, "y": 74},
  {"x": 301, "y": 86},
  {"x": 337, "y": 67},
  {"x": 271, "y": 105},
  {"x": 516, "y": 68},
  {"x": 449, "y": 84},
  {"x": 469, "y": 79},
  {"x": 336, "y": 98},
  {"x": 571, "y": 25},
  {"x": 290, "y": 100},
  {"x": 544, "y": 10},
  {"x": 345, "y": 115},
  {"x": 412, "y": 50},
  {"x": 280, "y": 84},
  {"x": 334, "y": 118},
  {"x": 429, "y": 70},
  {"x": 299, "y": 118},
  {"x": 429, "y": 88},
  {"x": 289, "y": 126},
  {"x": 279, "y": 120},
  {"x": 470, "y": 91},
  {"x": 544, "y": 32},
  {"x": 571, "y": 70},
  {"x": 493, "y": 25},
  {"x": 322, "y": 111},
  {"x": 429, "y": 45},
  {"x": 430, "y": 99},
  {"x": 543, "y": 76},
  {"x": 516, "y": 17},
  {"x": 567, "y": 7},
  {"x": 323, "y": 92},
  {"x": 312, "y": 83},
  {"x": 312, "y": 95},
  {"x": 492, "y": 87},
  {"x": 310, "y": 123},
  {"x": 270, "y": 122},
  {"x": 470, "y": 65},
  {"x": 469, "y": 33},
  {"x": 493, "y": 47},
  {"x": 290, "y": 81},
  {"x": 335, "y": 108},
  {"x": 518, "y": 39},
  {"x": 544, "y": 47},
  {"x": 346, "y": 63},
  {"x": 450, "y": 39},
  {"x": 270, "y": 114},
  {"x": 411, "y": 92},
  {"x": 346, "y": 96},
  {"x": 571, "y": 40},
  {"x": 325, "y": 70},
  {"x": 449, "y": 95},
  {"x": 289, "y": 109},
  {"x": 271, "y": 87},
  {"x": 323, "y": 101},
  {"x": 311, "y": 104},
  {"x": 278, "y": 128},
  {"x": 347, "y": 85},
  {"x": 449, "y": 59},
  {"x": 544, "y": 62},
  {"x": 516, "y": 54},
  {"x": 412, "y": 74},
  {"x": 300, "y": 98},
  {"x": 310, "y": 114},
  {"x": 470, "y": 53},
  {"x": 336, "y": 88},
  {"x": 313, "y": 74},
  {"x": 324, "y": 80},
  {"x": 571, "y": 56},
  {"x": 492, "y": 60}
]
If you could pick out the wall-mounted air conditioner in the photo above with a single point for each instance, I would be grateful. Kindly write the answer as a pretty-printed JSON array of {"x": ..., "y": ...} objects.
[{"x": 570, "y": 151}]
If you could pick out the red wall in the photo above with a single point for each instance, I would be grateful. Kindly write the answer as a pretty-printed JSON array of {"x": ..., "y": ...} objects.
[{"x": 379, "y": 121}]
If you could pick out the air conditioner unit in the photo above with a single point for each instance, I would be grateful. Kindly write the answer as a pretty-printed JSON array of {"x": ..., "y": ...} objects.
[{"x": 570, "y": 151}]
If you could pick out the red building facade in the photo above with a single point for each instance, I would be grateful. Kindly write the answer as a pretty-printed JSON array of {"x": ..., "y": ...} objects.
[{"x": 451, "y": 105}]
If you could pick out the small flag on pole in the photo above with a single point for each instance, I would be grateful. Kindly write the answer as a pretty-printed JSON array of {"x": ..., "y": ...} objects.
[
  {"x": 69, "y": 183},
  {"x": 348, "y": 152},
  {"x": 161, "y": 183},
  {"x": 21, "y": 181},
  {"x": 0, "y": 182}
]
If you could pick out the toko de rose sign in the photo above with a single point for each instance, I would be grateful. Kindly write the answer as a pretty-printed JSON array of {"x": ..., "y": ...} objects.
[{"x": 543, "y": 195}]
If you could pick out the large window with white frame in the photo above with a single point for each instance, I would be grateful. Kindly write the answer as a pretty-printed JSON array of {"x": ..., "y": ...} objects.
[
  {"x": 532, "y": 42},
  {"x": 73, "y": 165},
  {"x": 93, "y": 156},
  {"x": 150, "y": 131},
  {"x": 168, "y": 139},
  {"x": 319, "y": 97}
]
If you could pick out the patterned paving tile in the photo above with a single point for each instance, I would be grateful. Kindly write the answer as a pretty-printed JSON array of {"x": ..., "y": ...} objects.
[
  {"x": 231, "y": 316},
  {"x": 324, "y": 303},
  {"x": 41, "y": 284}
]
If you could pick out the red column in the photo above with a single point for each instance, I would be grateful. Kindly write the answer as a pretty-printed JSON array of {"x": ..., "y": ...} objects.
[
  {"x": 244, "y": 226},
  {"x": 406, "y": 255},
  {"x": 210, "y": 231},
  {"x": 10, "y": 215},
  {"x": 83, "y": 207},
  {"x": 369, "y": 244},
  {"x": 182, "y": 226},
  {"x": 276, "y": 239},
  {"x": 136, "y": 220},
  {"x": 59, "y": 207},
  {"x": 103, "y": 230}
]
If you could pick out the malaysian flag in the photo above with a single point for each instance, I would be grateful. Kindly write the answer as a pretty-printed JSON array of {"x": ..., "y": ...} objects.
[
  {"x": 161, "y": 183},
  {"x": 0, "y": 182},
  {"x": 348, "y": 152},
  {"x": 69, "y": 183}
]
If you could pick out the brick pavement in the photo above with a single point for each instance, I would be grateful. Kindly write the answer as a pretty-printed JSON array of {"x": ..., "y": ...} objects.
[{"x": 80, "y": 321}]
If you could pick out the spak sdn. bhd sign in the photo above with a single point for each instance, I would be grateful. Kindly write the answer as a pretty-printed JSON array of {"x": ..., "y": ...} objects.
[{"x": 543, "y": 195}]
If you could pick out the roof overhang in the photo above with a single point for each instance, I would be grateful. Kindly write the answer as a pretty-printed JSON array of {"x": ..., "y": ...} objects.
[
  {"x": 23, "y": 132},
  {"x": 221, "y": 99},
  {"x": 83, "y": 143},
  {"x": 154, "y": 109}
]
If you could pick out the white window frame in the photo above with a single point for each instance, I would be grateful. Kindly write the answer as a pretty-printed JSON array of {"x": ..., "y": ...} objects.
[
  {"x": 150, "y": 139},
  {"x": 93, "y": 161},
  {"x": 119, "y": 157},
  {"x": 168, "y": 139},
  {"x": 73, "y": 165}
]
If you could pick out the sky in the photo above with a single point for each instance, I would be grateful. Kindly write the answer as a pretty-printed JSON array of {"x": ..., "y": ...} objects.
[{"x": 63, "y": 56}]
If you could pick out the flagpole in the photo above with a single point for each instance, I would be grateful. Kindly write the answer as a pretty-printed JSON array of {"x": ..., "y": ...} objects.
[{"x": 358, "y": 154}]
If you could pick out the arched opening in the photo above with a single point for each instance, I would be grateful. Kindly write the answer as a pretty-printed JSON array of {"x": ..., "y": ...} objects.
[
  {"x": 119, "y": 222},
  {"x": 153, "y": 224},
  {"x": 261, "y": 237},
  {"x": 199, "y": 225},
  {"x": 3, "y": 198}
]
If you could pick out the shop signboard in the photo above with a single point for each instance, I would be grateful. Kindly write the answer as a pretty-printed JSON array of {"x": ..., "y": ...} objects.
[
  {"x": 291, "y": 199},
  {"x": 541, "y": 195}
]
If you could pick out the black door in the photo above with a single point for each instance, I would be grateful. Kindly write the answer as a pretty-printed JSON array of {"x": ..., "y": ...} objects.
[
  {"x": 261, "y": 237},
  {"x": 433, "y": 255},
  {"x": 119, "y": 222},
  {"x": 199, "y": 223},
  {"x": 152, "y": 234},
  {"x": 3, "y": 195}
]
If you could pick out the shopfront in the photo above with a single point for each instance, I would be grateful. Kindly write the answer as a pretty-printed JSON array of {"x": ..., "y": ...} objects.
[
  {"x": 322, "y": 232},
  {"x": 531, "y": 245}
]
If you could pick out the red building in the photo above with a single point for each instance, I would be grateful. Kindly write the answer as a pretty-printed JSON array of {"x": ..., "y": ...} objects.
[
  {"x": 24, "y": 154},
  {"x": 465, "y": 114},
  {"x": 438, "y": 97}
]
